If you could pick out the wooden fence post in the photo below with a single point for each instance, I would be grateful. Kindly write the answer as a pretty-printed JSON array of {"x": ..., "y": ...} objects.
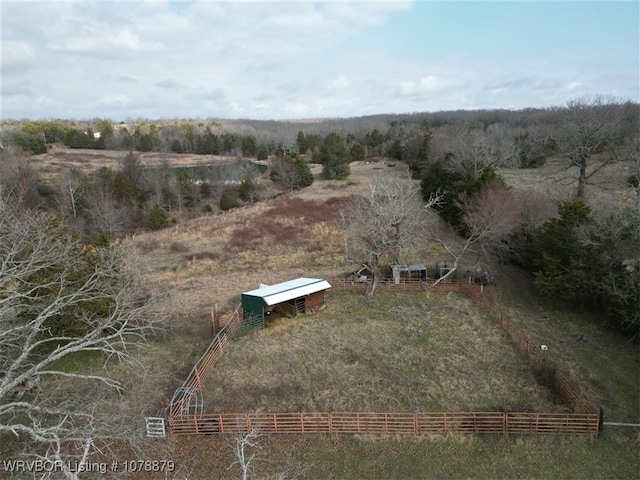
[{"x": 216, "y": 320}]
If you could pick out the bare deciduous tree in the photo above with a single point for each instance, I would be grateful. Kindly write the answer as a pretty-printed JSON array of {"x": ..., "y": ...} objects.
[
  {"x": 72, "y": 188},
  {"x": 490, "y": 217},
  {"x": 629, "y": 153},
  {"x": 474, "y": 149},
  {"x": 246, "y": 449},
  {"x": 381, "y": 225},
  {"x": 285, "y": 173},
  {"x": 617, "y": 237},
  {"x": 588, "y": 126},
  {"x": 131, "y": 166},
  {"x": 18, "y": 178},
  {"x": 57, "y": 300},
  {"x": 107, "y": 215}
]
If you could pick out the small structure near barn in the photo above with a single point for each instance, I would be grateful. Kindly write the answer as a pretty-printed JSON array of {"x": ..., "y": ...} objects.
[
  {"x": 291, "y": 298},
  {"x": 442, "y": 268},
  {"x": 417, "y": 270}
]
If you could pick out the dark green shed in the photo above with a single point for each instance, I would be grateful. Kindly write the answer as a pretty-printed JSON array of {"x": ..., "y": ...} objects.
[{"x": 302, "y": 295}]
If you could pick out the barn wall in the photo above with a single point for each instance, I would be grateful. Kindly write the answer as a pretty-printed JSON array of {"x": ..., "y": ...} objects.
[
  {"x": 252, "y": 305},
  {"x": 315, "y": 302},
  {"x": 285, "y": 309}
]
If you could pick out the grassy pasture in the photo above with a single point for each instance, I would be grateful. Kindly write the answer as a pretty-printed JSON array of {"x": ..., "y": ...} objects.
[
  {"x": 59, "y": 159},
  {"x": 393, "y": 352},
  {"x": 211, "y": 259},
  {"x": 195, "y": 264}
]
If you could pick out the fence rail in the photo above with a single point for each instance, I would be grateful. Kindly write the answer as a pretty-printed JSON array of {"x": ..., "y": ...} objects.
[
  {"x": 411, "y": 284},
  {"x": 556, "y": 379},
  {"x": 420, "y": 423},
  {"x": 184, "y": 420}
]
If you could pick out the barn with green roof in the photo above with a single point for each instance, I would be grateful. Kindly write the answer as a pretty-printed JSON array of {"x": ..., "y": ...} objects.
[{"x": 291, "y": 298}]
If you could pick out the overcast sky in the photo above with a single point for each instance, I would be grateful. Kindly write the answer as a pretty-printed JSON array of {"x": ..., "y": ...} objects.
[{"x": 123, "y": 59}]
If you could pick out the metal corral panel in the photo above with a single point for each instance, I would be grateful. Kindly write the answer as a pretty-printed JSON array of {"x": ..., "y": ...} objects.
[{"x": 285, "y": 291}]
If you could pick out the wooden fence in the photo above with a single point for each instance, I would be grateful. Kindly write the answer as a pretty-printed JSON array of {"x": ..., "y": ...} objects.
[
  {"x": 412, "y": 285},
  {"x": 185, "y": 418},
  {"x": 419, "y": 423},
  {"x": 185, "y": 398},
  {"x": 555, "y": 379}
]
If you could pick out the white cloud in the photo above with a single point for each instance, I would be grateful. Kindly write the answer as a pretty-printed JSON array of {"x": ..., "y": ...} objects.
[
  {"x": 16, "y": 55},
  {"x": 253, "y": 59},
  {"x": 114, "y": 99},
  {"x": 167, "y": 84},
  {"x": 428, "y": 85},
  {"x": 340, "y": 82}
]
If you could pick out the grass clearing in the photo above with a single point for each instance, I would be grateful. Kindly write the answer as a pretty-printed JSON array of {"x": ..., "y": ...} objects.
[
  {"x": 405, "y": 458},
  {"x": 606, "y": 365},
  {"x": 392, "y": 352},
  {"x": 193, "y": 265}
]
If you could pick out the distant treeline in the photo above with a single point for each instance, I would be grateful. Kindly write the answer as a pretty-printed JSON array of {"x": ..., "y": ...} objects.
[
  {"x": 401, "y": 136},
  {"x": 587, "y": 258}
]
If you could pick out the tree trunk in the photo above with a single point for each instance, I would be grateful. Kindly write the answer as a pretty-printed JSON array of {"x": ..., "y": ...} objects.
[
  {"x": 373, "y": 284},
  {"x": 374, "y": 268},
  {"x": 582, "y": 178}
]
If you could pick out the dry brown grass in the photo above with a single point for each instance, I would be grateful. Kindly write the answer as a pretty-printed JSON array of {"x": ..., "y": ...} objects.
[
  {"x": 392, "y": 352},
  {"x": 59, "y": 159},
  {"x": 192, "y": 265},
  {"x": 605, "y": 190},
  {"x": 213, "y": 258}
]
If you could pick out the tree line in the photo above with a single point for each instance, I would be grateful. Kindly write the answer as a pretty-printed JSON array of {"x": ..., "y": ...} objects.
[
  {"x": 579, "y": 251},
  {"x": 68, "y": 294},
  {"x": 456, "y": 155}
]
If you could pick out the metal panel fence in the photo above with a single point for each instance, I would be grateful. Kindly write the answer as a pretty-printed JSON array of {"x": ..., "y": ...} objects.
[
  {"x": 184, "y": 420},
  {"x": 411, "y": 284},
  {"x": 185, "y": 397},
  {"x": 419, "y": 423},
  {"x": 557, "y": 380}
]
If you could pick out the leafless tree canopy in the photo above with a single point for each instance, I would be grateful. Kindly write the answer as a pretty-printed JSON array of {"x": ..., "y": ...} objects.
[
  {"x": 381, "y": 225},
  {"x": 491, "y": 218},
  {"x": 57, "y": 300},
  {"x": 589, "y": 126},
  {"x": 18, "y": 178}
]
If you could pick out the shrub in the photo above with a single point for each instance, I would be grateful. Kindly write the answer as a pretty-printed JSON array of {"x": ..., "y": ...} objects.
[
  {"x": 229, "y": 198},
  {"x": 291, "y": 173},
  {"x": 455, "y": 183},
  {"x": 158, "y": 218},
  {"x": 148, "y": 245},
  {"x": 177, "y": 247}
]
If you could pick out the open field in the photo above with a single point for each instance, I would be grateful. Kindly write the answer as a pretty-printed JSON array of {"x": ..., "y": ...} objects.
[
  {"x": 59, "y": 159},
  {"x": 606, "y": 185},
  {"x": 395, "y": 352},
  {"x": 213, "y": 258},
  {"x": 197, "y": 263},
  {"x": 209, "y": 260}
]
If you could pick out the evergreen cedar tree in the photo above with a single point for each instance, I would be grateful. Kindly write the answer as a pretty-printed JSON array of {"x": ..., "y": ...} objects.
[
  {"x": 158, "y": 218},
  {"x": 335, "y": 158}
]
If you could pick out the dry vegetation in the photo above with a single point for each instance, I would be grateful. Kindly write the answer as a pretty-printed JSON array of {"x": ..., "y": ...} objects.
[
  {"x": 59, "y": 159},
  {"x": 393, "y": 352},
  {"x": 557, "y": 183},
  {"x": 212, "y": 259}
]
